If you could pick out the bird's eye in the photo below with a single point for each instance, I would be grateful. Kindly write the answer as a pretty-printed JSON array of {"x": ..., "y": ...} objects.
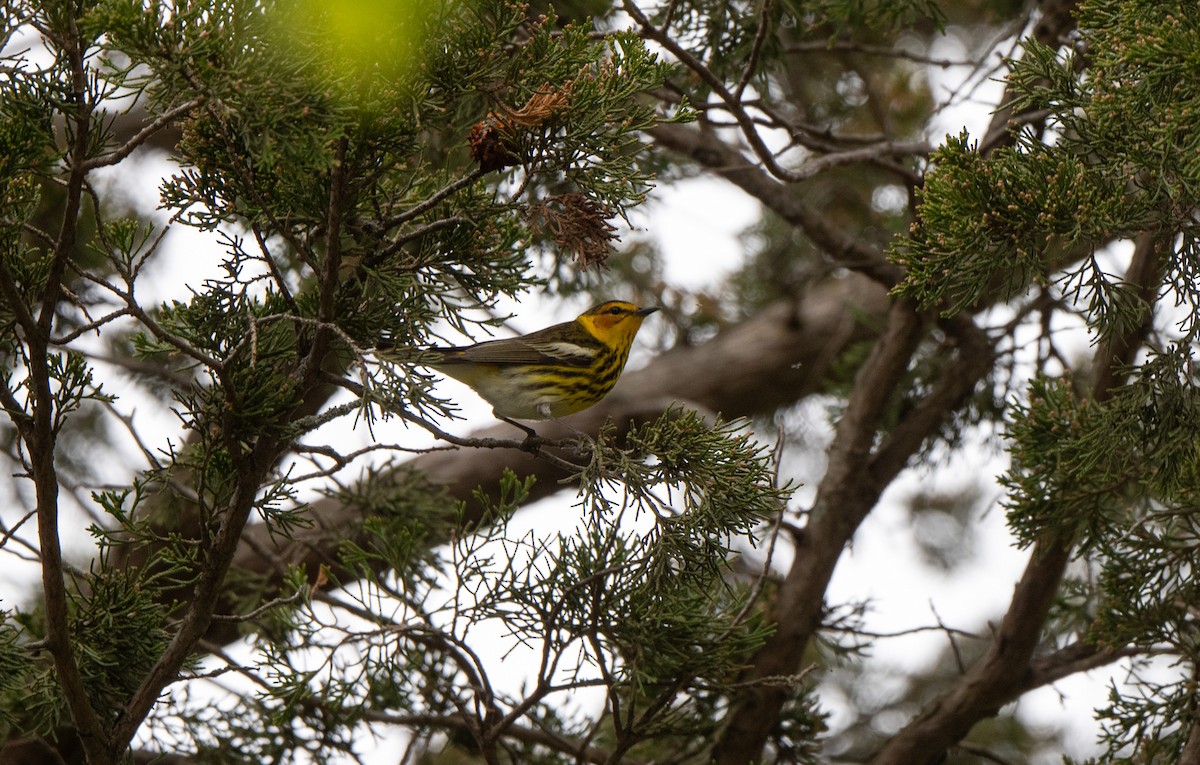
[{"x": 615, "y": 311}]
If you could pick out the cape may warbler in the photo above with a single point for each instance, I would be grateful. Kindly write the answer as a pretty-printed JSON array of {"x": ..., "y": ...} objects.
[{"x": 550, "y": 373}]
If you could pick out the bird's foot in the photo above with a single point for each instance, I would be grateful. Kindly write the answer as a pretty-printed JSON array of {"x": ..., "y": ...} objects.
[{"x": 533, "y": 442}]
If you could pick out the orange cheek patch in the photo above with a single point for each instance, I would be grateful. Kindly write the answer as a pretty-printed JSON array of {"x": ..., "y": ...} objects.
[{"x": 607, "y": 321}]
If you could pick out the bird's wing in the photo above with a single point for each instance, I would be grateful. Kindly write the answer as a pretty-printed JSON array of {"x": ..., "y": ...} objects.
[{"x": 541, "y": 347}]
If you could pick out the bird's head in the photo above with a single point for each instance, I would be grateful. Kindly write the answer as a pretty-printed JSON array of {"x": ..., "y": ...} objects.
[{"x": 615, "y": 323}]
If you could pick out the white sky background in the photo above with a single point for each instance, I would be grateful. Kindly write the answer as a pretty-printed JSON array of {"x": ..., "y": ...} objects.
[{"x": 696, "y": 225}]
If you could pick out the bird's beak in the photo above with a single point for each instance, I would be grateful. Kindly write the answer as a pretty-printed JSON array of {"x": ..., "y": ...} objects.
[{"x": 645, "y": 311}]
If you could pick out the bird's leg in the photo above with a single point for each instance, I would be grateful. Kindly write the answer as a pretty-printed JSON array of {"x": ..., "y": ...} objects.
[{"x": 532, "y": 439}]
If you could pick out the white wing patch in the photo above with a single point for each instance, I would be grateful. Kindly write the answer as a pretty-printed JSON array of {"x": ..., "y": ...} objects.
[{"x": 563, "y": 349}]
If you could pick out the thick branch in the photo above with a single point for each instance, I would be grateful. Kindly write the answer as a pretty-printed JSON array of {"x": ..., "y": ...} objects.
[
  {"x": 844, "y": 498},
  {"x": 1191, "y": 748},
  {"x": 1072, "y": 659},
  {"x": 205, "y": 594},
  {"x": 39, "y": 431},
  {"x": 1000, "y": 676},
  {"x": 976, "y": 355},
  {"x": 777, "y": 357},
  {"x": 1006, "y": 670},
  {"x": 853, "y": 483}
]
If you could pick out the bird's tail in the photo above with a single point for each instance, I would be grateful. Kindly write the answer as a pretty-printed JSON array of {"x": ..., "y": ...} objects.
[{"x": 387, "y": 350}]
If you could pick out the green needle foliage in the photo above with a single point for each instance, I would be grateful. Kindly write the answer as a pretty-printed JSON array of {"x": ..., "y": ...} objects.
[
  {"x": 383, "y": 196},
  {"x": 1112, "y": 472},
  {"x": 635, "y": 602},
  {"x": 304, "y": 552}
]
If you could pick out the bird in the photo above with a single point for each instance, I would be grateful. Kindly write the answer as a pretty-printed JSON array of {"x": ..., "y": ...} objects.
[{"x": 550, "y": 373}]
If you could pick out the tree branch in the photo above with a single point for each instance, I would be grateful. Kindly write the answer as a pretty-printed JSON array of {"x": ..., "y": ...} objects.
[
  {"x": 781, "y": 198},
  {"x": 1190, "y": 755},
  {"x": 1057, "y": 20},
  {"x": 844, "y": 498},
  {"x": 1073, "y": 659},
  {"x": 38, "y": 430},
  {"x": 781, "y": 355},
  {"x": 164, "y": 120},
  {"x": 1006, "y": 670},
  {"x": 999, "y": 677}
]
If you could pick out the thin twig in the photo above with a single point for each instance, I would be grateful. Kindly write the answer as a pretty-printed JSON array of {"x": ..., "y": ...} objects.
[
  {"x": 760, "y": 38},
  {"x": 140, "y": 137},
  {"x": 428, "y": 204},
  {"x": 290, "y": 600}
]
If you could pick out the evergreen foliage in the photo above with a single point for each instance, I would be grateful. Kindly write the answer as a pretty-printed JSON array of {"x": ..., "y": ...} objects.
[
  {"x": 1110, "y": 470},
  {"x": 399, "y": 175}
]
